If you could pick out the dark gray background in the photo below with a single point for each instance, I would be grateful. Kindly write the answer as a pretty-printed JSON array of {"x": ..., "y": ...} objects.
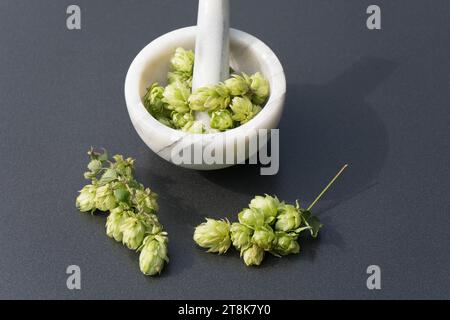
[{"x": 378, "y": 100}]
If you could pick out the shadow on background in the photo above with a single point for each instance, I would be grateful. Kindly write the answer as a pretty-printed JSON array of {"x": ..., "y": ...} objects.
[{"x": 323, "y": 127}]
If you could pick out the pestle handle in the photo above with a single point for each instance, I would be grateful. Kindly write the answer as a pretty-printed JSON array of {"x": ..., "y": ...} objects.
[{"x": 212, "y": 46}]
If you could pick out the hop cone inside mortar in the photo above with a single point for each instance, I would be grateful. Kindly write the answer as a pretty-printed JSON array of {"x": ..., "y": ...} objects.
[
  {"x": 238, "y": 85},
  {"x": 221, "y": 120},
  {"x": 210, "y": 98},
  {"x": 260, "y": 88}
]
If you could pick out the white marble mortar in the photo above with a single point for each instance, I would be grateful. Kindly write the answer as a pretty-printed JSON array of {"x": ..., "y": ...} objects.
[{"x": 247, "y": 54}]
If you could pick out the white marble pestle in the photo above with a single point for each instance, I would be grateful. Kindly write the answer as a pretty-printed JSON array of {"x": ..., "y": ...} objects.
[{"x": 212, "y": 46}]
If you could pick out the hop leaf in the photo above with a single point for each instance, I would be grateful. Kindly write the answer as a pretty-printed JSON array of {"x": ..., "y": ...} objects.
[
  {"x": 238, "y": 85},
  {"x": 153, "y": 254},
  {"x": 312, "y": 223},
  {"x": 289, "y": 218},
  {"x": 213, "y": 235},
  {"x": 104, "y": 198},
  {"x": 86, "y": 199},
  {"x": 264, "y": 237},
  {"x": 241, "y": 235},
  {"x": 286, "y": 243},
  {"x": 267, "y": 205},
  {"x": 133, "y": 231},
  {"x": 260, "y": 88},
  {"x": 210, "y": 98},
  {"x": 243, "y": 109},
  {"x": 221, "y": 120},
  {"x": 251, "y": 218},
  {"x": 176, "y": 97},
  {"x": 253, "y": 255},
  {"x": 183, "y": 61}
]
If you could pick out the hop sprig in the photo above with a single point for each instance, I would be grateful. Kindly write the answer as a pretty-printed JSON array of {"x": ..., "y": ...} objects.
[
  {"x": 132, "y": 208},
  {"x": 267, "y": 225}
]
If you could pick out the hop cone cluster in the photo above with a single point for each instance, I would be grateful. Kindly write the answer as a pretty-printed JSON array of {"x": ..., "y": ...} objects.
[
  {"x": 267, "y": 225},
  {"x": 230, "y": 104},
  {"x": 132, "y": 219}
]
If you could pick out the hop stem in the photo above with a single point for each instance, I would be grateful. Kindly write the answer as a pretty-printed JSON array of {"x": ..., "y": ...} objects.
[{"x": 327, "y": 187}]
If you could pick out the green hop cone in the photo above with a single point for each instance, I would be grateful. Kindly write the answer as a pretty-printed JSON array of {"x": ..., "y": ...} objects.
[
  {"x": 260, "y": 88},
  {"x": 104, "y": 198},
  {"x": 213, "y": 235},
  {"x": 179, "y": 120},
  {"x": 268, "y": 205},
  {"x": 264, "y": 237},
  {"x": 86, "y": 199},
  {"x": 251, "y": 218},
  {"x": 253, "y": 255},
  {"x": 221, "y": 120},
  {"x": 243, "y": 109},
  {"x": 286, "y": 243},
  {"x": 176, "y": 97},
  {"x": 241, "y": 235},
  {"x": 238, "y": 85},
  {"x": 183, "y": 61},
  {"x": 114, "y": 221},
  {"x": 182, "y": 77},
  {"x": 133, "y": 231},
  {"x": 210, "y": 98},
  {"x": 153, "y": 100},
  {"x": 288, "y": 219},
  {"x": 153, "y": 254}
]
